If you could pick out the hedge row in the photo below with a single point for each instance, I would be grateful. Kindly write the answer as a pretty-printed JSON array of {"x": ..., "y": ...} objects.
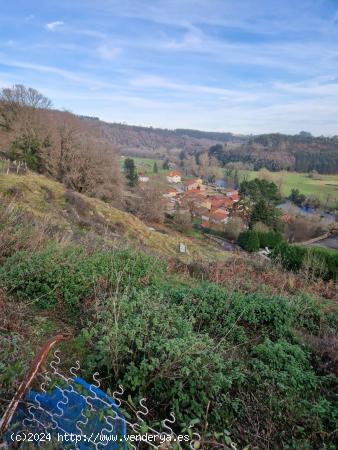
[
  {"x": 320, "y": 261},
  {"x": 252, "y": 240}
]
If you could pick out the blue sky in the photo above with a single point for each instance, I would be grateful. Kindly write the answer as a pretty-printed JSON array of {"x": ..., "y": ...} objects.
[{"x": 247, "y": 66}]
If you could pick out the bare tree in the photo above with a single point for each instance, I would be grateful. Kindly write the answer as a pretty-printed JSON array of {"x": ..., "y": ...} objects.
[
  {"x": 149, "y": 205},
  {"x": 58, "y": 144},
  {"x": 183, "y": 222},
  {"x": 13, "y": 100}
]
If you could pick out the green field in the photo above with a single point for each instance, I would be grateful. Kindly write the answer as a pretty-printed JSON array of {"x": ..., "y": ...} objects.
[
  {"x": 145, "y": 164},
  {"x": 325, "y": 187}
]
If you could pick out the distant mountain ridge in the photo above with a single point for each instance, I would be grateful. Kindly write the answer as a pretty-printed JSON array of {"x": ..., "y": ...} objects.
[
  {"x": 155, "y": 142},
  {"x": 275, "y": 151}
]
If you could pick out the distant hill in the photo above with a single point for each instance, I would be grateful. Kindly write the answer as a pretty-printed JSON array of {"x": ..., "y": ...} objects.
[
  {"x": 156, "y": 142},
  {"x": 301, "y": 153}
]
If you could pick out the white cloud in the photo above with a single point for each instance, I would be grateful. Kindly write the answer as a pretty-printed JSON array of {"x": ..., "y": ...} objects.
[
  {"x": 150, "y": 81},
  {"x": 108, "y": 52},
  {"x": 66, "y": 74},
  {"x": 51, "y": 26}
]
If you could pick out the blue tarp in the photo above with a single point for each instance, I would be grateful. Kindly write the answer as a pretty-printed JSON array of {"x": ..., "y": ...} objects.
[{"x": 73, "y": 411}]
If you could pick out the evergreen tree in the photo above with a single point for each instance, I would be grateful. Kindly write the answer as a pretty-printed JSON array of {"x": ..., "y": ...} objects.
[
  {"x": 166, "y": 165},
  {"x": 155, "y": 168},
  {"x": 249, "y": 240},
  {"x": 266, "y": 213},
  {"x": 257, "y": 190},
  {"x": 130, "y": 172}
]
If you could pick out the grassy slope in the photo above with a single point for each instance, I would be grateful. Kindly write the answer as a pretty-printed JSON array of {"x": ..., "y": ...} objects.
[{"x": 30, "y": 191}]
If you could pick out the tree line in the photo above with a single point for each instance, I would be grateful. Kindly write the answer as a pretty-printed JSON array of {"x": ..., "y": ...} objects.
[
  {"x": 57, "y": 144},
  {"x": 278, "y": 152}
]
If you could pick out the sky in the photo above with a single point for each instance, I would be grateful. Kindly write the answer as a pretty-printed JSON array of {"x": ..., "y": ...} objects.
[{"x": 245, "y": 66}]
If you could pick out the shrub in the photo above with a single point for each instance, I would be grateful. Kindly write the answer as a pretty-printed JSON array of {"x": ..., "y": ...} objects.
[
  {"x": 187, "y": 347},
  {"x": 291, "y": 256},
  {"x": 269, "y": 239},
  {"x": 249, "y": 240},
  {"x": 260, "y": 227},
  {"x": 233, "y": 228},
  {"x": 151, "y": 347},
  {"x": 190, "y": 346},
  {"x": 67, "y": 275},
  {"x": 319, "y": 261},
  {"x": 182, "y": 221}
]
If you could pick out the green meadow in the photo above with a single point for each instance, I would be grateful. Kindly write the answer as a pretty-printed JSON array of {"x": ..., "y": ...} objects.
[
  {"x": 323, "y": 187},
  {"x": 145, "y": 164}
]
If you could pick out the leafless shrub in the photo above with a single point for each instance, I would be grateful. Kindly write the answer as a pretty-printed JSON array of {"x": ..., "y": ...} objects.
[
  {"x": 149, "y": 205},
  {"x": 20, "y": 231},
  {"x": 232, "y": 229},
  {"x": 17, "y": 99},
  {"x": 183, "y": 222},
  {"x": 302, "y": 228}
]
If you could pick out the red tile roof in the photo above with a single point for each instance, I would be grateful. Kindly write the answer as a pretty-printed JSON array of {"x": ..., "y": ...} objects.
[
  {"x": 174, "y": 174},
  {"x": 221, "y": 201},
  {"x": 194, "y": 191},
  {"x": 188, "y": 182},
  {"x": 219, "y": 215}
]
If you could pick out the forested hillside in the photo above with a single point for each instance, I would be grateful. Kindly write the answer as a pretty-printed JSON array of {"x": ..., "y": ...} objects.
[
  {"x": 157, "y": 142},
  {"x": 300, "y": 153}
]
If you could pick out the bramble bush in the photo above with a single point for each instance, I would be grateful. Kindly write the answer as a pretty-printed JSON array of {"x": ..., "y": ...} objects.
[
  {"x": 188, "y": 346},
  {"x": 66, "y": 275}
]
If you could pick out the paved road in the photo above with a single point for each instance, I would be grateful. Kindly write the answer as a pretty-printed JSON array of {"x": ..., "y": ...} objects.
[{"x": 330, "y": 242}]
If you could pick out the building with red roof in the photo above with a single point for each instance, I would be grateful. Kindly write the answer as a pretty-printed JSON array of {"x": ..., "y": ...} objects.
[{"x": 174, "y": 177}]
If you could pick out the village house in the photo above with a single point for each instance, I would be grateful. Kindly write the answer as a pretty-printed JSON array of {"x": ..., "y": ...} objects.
[
  {"x": 233, "y": 194},
  {"x": 174, "y": 177},
  {"x": 206, "y": 203},
  {"x": 215, "y": 218},
  {"x": 219, "y": 217},
  {"x": 170, "y": 205},
  {"x": 170, "y": 193},
  {"x": 142, "y": 177},
  {"x": 219, "y": 201},
  {"x": 194, "y": 184}
]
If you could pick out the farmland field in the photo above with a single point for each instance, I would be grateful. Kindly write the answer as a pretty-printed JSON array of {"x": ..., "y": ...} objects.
[
  {"x": 325, "y": 187},
  {"x": 145, "y": 164}
]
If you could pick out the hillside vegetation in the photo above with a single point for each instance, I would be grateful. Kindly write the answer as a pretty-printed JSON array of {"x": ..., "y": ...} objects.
[
  {"x": 73, "y": 215},
  {"x": 243, "y": 351},
  {"x": 276, "y": 152},
  {"x": 323, "y": 187},
  {"x": 253, "y": 369},
  {"x": 299, "y": 153}
]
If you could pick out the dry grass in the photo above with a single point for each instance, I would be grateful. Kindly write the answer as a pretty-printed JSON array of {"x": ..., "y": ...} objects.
[
  {"x": 47, "y": 200},
  {"x": 20, "y": 230},
  {"x": 251, "y": 275}
]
